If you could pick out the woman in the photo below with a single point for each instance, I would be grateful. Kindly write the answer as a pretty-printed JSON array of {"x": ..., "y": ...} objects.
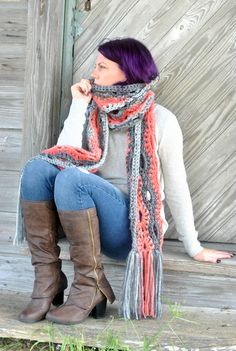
[{"x": 135, "y": 148}]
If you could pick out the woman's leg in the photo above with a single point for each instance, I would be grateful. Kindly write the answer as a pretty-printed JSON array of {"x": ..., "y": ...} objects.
[
  {"x": 38, "y": 180},
  {"x": 41, "y": 224},
  {"x": 76, "y": 190},
  {"x": 79, "y": 197}
]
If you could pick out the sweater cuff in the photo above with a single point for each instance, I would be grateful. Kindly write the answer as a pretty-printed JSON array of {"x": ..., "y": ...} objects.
[
  {"x": 79, "y": 104},
  {"x": 193, "y": 249}
]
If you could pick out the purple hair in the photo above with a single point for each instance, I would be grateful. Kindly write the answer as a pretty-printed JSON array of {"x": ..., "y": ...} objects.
[{"x": 133, "y": 58}]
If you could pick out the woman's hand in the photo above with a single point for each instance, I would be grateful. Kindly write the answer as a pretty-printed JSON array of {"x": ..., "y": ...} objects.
[
  {"x": 82, "y": 90},
  {"x": 214, "y": 256}
]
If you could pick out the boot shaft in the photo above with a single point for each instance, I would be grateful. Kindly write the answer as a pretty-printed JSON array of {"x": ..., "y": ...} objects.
[
  {"x": 82, "y": 231},
  {"x": 41, "y": 224}
]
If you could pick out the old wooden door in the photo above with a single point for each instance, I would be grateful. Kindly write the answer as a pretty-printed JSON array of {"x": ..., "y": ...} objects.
[
  {"x": 13, "y": 29},
  {"x": 193, "y": 42}
]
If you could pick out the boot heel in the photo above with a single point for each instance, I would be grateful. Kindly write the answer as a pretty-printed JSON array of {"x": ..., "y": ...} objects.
[
  {"x": 58, "y": 299},
  {"x": 99, "y": 310}
]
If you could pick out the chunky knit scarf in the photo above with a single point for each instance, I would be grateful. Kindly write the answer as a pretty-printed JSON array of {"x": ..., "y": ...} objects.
[{"x": 116, "y": 107}]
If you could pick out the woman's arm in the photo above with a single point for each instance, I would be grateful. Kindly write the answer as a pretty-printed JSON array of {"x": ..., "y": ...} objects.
[
  {"x": 170, "y": 149},
  {"x": 71, "y": 133}
]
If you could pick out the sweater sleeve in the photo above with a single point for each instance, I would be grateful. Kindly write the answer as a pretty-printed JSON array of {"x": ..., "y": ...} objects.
[
  {"x": 71, "y": 133},
  {"x": 170, "y": 150}
]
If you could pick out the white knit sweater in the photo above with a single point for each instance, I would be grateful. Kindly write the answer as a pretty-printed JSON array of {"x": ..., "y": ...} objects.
[{"x": 172, "y": 174}]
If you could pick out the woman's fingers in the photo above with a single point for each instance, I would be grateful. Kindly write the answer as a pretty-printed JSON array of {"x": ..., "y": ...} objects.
[
  {"x": 82, "y": 90},
  {"x": 214, "y": 256},
  {"x": 83, "y": 86}
]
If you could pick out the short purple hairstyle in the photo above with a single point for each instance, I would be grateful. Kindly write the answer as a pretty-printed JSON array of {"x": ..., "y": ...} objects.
[{"x": 133, "y": 58}]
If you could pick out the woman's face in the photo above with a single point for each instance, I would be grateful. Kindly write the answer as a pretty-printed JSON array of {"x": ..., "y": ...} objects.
[{"x": 107, "y": 72}]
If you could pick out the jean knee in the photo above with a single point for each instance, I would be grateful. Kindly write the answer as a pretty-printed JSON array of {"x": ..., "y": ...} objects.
[
  {"x": 37, "y": 180},
  {"x": 31, "y": 173},
  {"x": 66, "y": 183}
]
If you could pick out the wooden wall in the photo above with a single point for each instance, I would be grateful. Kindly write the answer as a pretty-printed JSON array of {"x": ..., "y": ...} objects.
[
  {"x": 13, "y": 29},
  {"x": 30, "y": 91},
  {"x": 193, "y": 42}
]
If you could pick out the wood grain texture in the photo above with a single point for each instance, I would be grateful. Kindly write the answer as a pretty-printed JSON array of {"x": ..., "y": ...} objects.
[
  {"x": 204, "y": 329},
  {"x": 13, "y": 29},
  {"x": 67, "y": 61},
  {"x": 193, "y": 43},
  {"x": 185, "y": 280},
  {"x": 43, "y": 75},
  {"x": 11, "y": 106},
  {"x": 7, "y": 229},
  {"x": 8, "y": 189},
  {"x": 10, "y": 149},
  {"x": 183, "y": 284}
]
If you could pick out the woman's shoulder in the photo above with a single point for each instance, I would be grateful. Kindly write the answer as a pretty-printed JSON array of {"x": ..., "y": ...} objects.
[
  {"x": 165, "y": 122},
  {"x": 163, "y": 115}
]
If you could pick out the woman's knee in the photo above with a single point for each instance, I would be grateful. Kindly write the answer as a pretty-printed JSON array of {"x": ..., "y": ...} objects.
[
  {"x": 67, "y": 179},
  {"x": 119, "y": 251},
  {"x": 66, "y": 183},
  {"x": 71, "y": 192},
  {"x": 35, "y": 178}
]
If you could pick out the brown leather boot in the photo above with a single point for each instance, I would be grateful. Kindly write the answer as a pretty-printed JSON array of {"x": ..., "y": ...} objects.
[
  {"x": 90, "y": 288},
  {"x": 41, "y": 224}
]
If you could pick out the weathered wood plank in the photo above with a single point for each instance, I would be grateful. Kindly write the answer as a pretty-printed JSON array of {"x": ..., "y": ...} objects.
[
  {"x": 43, "y": 70},
  {"x": 174, "y": 258},
  {"x": 67, "y": 61},
  {"x": 211, "y": 43},
  {"x": 10, "y": 149},
  {"x": 11, "y": 106},
  {"x": 161, "y": 15},
  {"x": 16, "y": 279},
  {"x": 103, "y": 13},
  {"x": 11, "y": 113},
  {"x": 157, "y": 28},
  {"x": 15, "y": 50},
  {"x": 194, "y": 44},
  {"x": 190, "y": 289},
  {"x": 12, "y": 69},
  {"x": 174, "y": 39},
  {"x": 14, "y": 4},
  {"x": 199, "y": 329},
  {"x": 8, "y": 189},
  {"x": 7, "y": 230},
  {"x": 209, "y": 151},
  {"x": 13, "y": 25}
]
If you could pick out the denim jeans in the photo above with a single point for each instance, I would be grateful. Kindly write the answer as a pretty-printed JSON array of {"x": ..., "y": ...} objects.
[{"x": 74, "y": 190}]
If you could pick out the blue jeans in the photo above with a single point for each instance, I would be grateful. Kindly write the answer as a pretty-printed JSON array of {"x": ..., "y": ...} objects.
[{"x": 74, "y": 190}]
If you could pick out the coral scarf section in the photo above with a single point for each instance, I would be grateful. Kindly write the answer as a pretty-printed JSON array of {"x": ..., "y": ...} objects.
[{"x": 116, "y": 107}]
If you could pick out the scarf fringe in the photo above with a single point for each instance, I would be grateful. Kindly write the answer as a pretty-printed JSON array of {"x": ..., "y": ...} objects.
[{"x": 141, "y": 292}]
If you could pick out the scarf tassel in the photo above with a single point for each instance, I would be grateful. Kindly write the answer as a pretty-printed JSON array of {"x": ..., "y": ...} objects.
[{"x": 141, "y": 292}]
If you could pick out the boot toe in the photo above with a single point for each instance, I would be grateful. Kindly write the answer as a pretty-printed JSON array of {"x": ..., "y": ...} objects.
[
  {"x": 65, "y": 314},
  {"x": 35, "y": 311}
]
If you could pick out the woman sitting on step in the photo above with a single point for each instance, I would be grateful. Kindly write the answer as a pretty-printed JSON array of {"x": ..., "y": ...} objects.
[{"x": 118, "y": 156}]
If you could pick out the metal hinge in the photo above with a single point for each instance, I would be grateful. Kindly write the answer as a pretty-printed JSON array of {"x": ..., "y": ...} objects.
[
  {"x": 77, "y": 29},
  {"x": 87, "y": 5},
  {"x": 78, "y": 16}
]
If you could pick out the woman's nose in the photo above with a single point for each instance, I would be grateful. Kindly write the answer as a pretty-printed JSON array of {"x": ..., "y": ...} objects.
[{"x": 94, "y": 74}]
